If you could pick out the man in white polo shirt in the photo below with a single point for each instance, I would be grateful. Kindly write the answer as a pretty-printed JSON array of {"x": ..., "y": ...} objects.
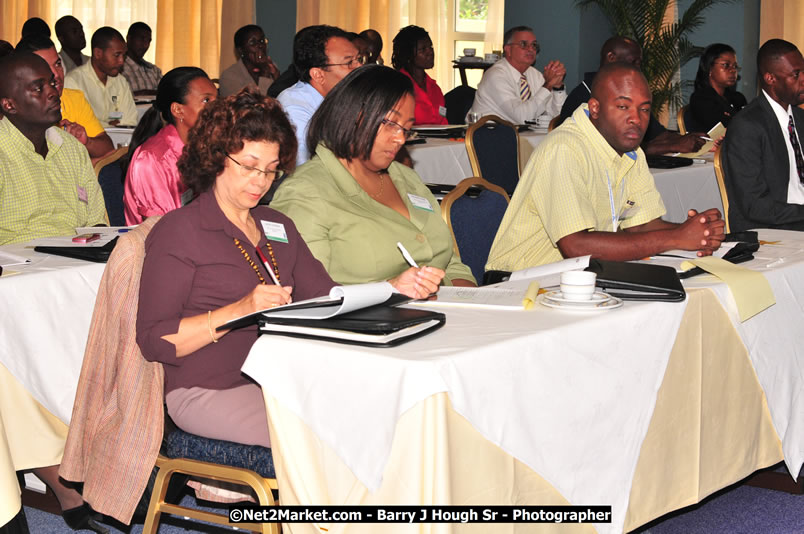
[{"x": 100, "y": 80}]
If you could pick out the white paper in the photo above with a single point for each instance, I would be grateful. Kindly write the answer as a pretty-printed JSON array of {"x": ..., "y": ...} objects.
[
  {"x": 7, "y": 259},
  {"x": 483, "y": 297},
  {"x": 103, "y": 230},
  {"x": 355, "y": 297}
]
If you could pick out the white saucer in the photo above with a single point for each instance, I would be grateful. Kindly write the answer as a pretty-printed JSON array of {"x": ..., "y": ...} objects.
[
  {"x": 556, "y": 296},
  {"x": 582, "y": 305}
]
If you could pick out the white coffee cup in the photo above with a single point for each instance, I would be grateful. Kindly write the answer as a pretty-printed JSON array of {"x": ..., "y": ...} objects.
[
  {"x": 469, "y": 52},
  {"x": 578, "y": 285}
]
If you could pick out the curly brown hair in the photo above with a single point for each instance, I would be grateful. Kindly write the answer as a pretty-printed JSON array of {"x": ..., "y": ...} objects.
[{"x": 221, "y": 129}]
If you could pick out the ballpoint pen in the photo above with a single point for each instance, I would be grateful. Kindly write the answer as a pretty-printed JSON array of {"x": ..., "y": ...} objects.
[
  {"x": 406, "y": 255},
  {"x": 267, "y": 266}
]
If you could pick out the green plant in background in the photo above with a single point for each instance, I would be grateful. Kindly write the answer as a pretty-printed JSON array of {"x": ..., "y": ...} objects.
[
  {"x": 473, "y": 9},
  {"x": 665, "y": 47}
]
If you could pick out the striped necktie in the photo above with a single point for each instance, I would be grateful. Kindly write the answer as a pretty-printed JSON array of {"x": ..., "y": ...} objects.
[
  {"x": 524, "y": 88},
  {"x": 791, "y": 129}
]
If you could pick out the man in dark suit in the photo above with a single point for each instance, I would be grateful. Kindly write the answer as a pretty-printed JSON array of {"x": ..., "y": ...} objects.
[{"x": 762, "y": 150}]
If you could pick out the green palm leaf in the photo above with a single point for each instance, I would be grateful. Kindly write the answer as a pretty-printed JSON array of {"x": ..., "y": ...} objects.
[{"x": 665, "y": 47}]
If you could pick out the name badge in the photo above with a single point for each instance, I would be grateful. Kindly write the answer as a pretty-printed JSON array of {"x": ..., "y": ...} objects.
[
  {"x": 420, "y": 202},
  {"x": 115, "y": 115},
  {"x": 442, "y": 111},
  {"x": 274, "y": 231},
  {"x": 629, "y": 211},
  {"x": 187, "y": 197},
  {"x": 82, "y": 194}
]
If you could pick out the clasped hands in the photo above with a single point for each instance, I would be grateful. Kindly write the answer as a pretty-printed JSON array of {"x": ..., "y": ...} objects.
[
  {"x": 554, "y": 73},
  {"x": 703, "y": 231}
]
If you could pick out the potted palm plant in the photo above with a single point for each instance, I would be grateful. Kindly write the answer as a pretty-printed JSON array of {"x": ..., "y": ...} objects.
[{"x": 665, "y": 43}]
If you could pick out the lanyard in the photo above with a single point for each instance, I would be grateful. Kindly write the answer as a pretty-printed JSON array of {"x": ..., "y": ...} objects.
[{"x": 615, "y": 216}]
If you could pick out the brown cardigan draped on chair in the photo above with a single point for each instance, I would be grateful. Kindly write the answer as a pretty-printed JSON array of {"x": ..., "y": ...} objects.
[{"x": 118, "y": 416}]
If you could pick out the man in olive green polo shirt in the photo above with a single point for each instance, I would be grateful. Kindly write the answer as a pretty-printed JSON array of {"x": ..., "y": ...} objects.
[
  {"x": 47, "y": 185},
  {"x": 587, "y": 188}
]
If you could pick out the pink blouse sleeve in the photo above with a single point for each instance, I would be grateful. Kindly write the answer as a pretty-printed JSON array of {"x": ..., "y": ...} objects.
[{"x": 153, "y": 186}]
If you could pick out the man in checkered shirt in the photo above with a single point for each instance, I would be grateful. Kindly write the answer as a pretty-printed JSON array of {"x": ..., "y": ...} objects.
[
  {"x": 143, "y": 77},
  {"x": 47, "y": 185}
]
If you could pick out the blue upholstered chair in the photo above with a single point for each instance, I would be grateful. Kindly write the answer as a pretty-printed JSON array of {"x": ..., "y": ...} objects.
[
  {"x": 118, "y": 417},
  {"x": 474, "y": 215},
  {"x": 189, "y": 454},
  {"x": 110, "y": 178},
  {"x": 493, "y": 147}
]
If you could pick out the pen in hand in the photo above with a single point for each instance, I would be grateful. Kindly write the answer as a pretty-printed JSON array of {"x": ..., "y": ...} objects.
[{"x": 406, "y": 255}]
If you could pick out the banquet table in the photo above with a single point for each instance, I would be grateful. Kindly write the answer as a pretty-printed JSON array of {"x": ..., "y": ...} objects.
[
  {"x": 648, "y": 408},
  {"x": 45, "y": 312},
  {"x": 446, "y": 162},
  {"x": 440, "y": 429}
]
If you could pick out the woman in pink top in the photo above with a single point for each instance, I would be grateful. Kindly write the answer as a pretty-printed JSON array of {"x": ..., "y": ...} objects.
[
  {"x": 413, "y": 53},
  {"x": 153, "y": 185}
]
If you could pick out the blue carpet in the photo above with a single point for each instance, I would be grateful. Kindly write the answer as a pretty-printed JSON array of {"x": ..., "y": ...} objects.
[{"x": 741, "y": 510}]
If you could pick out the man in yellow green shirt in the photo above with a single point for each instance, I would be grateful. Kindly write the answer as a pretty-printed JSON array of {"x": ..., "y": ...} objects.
[
  {"x": 587, "y": 188},
  {"x": 47, "y": 186},
  {"x": 77, "y": 117}
]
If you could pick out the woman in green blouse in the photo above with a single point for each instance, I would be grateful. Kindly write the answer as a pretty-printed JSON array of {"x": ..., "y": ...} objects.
[{"x": 352, "y": 202}]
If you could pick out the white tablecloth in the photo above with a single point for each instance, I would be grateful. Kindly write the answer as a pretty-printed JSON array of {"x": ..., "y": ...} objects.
[
  {"x": 774, "y": 337},
  {"x": 562, "y": 392},
  {"x": 442, "y": 161},
  {"x": 45, "y": 312}
]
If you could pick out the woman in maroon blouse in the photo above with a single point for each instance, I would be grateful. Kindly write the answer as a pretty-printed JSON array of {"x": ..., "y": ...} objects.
[{"x": 208, "y": 262}]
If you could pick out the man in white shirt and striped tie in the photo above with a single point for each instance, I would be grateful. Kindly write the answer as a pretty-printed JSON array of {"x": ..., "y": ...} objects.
[{"x": 515, "y": 91}]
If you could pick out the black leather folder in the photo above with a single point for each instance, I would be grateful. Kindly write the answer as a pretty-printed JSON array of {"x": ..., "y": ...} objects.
[
  {"x": 638, "y": 281},
  {"x": 376, "y": 326},
  {"x": 78, "y": 252}
]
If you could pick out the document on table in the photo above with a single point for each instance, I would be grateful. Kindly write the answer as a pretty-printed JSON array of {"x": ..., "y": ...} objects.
[
  {"x": 8, "y": 259},
  {"x": 674, "y": 258},
  {"x": 482, "y": 297}
]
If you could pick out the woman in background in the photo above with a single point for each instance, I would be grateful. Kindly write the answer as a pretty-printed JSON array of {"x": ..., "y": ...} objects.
[
  {"x": 715, "y": 98},
  {"x": 153, "y": 185},
  {"x": 413, "y": 54},
  {"x": 254, "y": 66},
  {"x": 352, "y": 202}
]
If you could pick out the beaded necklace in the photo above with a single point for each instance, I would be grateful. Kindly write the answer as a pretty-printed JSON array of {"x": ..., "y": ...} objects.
[{"x": 254, "y": 265}]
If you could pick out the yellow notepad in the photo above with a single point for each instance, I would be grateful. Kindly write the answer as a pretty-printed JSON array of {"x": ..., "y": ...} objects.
[{"x": 751, "y": 291}]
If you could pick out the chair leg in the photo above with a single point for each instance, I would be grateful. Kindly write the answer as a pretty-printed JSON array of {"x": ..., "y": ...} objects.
[{"x": 167, "y": 467}]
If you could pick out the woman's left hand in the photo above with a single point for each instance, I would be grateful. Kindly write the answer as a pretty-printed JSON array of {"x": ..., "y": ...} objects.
[{"x": 418, "y": 283}]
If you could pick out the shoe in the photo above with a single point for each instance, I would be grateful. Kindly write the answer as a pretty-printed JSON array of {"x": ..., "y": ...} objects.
[{"x": 83, "y": 518}]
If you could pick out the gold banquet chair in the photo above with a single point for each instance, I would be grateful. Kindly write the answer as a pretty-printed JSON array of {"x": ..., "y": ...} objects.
[
  {"x": 474, "y": 220},
  {"x": 720, "y": 174},
  {"x": 118, "y": 420},
  {"x": 493, "y": 147}
]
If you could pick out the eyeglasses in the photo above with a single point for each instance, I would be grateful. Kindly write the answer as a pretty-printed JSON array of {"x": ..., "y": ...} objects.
[
  {"x": 257, "y": 42},
  {"x": 524, "y": 45},
  {"x": 246, "y": 171},
  {"x": 351, "y": 64},
  {"x": 730, "y": 66},
  {"x": 397, "y": 129}
]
